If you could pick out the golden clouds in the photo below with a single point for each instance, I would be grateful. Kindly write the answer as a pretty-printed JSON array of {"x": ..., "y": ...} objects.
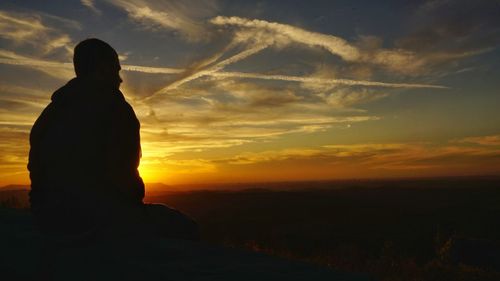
[
  {"x": 54, "y": 69},
  {"x": 373, "y": 160},
  {"x": 484, "y": 140},
  {"x": 368, "y": 160},
  {"x": 14, "y": 157}
]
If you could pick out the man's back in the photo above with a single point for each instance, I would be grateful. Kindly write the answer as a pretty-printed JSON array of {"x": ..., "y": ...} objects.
[{"x": 85, "y": 149}]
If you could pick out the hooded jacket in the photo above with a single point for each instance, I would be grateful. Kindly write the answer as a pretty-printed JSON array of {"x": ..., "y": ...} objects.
[{"x": 84, "y": 155}]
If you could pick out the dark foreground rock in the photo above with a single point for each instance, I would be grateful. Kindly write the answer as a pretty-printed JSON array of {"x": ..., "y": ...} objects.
[{"x": 27, "y": 255}]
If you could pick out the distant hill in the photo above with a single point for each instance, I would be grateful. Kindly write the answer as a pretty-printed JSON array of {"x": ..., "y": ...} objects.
[
  {"x": 14, "y": 187},
  {"x": 154, "y": 188},
  {"x": 432, "y": 182},
  {"x": 14, "y": 196}
]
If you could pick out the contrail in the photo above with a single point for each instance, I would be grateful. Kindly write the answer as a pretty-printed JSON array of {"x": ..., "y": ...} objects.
[
  {"x": 68, "y": 65},
  {"x": 215, "y": 72},
  {"x": 39, "y": 63},
  {"x": 323, "y": 80},
  {"x": 194, "y": 68},
  {"x": 149, "y": 69},
  {"x": 214, "y": 69}
]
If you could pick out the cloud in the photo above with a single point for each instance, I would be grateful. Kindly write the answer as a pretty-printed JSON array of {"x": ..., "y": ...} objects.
[
  {"x": 151, "y": 70},
  {"x": 443, "y": 32},
  {"x": 493, "y": 140},
  {"x": 233, "y": 112},
  {"x": 22, "y": 99},
  {"x": 91, "y": 5},
  {"x": 343, "y": 98},
  {"x": 287, "y": 34},
  {"x": 254, "y": 36},
  {"x": 369, "y": 160},
  {"x": 186, "y": 17},
  {"x": 184, "y": 166},
  {"x": 208, "y": 107},
  {"x": 257, "y": 35},
  {"x": 30, "y": 29},
  {"x": 14, "y": 145},
  {"x": 20, "y": 28},
  {"x": 283, "y": 34},
  {"x": 19, "y": 105},
  {"x": 54, "y": 69},
  {"x": 444, "y": 37}
]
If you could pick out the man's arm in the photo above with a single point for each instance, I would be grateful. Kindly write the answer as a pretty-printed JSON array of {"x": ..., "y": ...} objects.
[
  {"x": 34, "y": 166},
  {"x": 124, "y": 153}
]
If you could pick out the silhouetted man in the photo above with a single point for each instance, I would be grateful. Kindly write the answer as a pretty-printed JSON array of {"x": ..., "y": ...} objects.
[{"x": 85, "y": 151}]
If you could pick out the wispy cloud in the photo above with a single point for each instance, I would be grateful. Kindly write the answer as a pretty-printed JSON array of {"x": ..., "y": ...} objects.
[
  {"x": 152, "y": 70},
  {"x": 492, "y": 140},
  {"x": 14, "y": 146},
  {"x": 185, "y": 17},
  {"x": 445, "y": 32},
  {"x": 282, "y": 34},
  {"x": 346, "y": 98},
  {"x": 257, "y": 35},
  {"x": 91, "y": 5},
  {"x": 324, "y": 81},
  {"x": 253, "y": 35},
  {"x": 232, "y": 111},
  {"x": 376, "y": 159},
  {"x": 54, "y": 69},
  {"x": 22, "y": 99},
  {"x": 30, "y": 29}
]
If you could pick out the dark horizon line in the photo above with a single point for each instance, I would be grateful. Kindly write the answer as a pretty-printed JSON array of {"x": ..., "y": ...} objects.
[{"x": 280, "y": 182}]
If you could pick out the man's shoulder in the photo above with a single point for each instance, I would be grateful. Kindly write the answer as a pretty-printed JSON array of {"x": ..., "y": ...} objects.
[
  {"x": 119, "y": 100},
  {"x": 122, "y": 107}
]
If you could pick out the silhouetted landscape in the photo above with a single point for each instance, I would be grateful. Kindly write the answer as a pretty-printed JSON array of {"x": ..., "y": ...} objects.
[{"x": 426, "y": 229}]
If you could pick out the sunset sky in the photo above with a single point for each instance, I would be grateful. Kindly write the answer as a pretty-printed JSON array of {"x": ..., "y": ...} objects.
[{"x": 254, "y": 91}]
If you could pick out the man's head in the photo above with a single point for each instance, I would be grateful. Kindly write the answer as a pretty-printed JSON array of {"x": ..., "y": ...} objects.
[{"x": 96, "y": 60}]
